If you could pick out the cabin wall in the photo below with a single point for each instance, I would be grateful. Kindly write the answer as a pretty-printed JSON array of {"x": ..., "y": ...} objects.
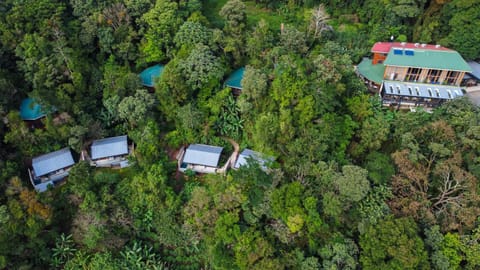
[{"x": 378, "y": 58}]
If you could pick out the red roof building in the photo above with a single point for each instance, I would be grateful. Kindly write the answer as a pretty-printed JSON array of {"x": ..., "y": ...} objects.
[{"x": 384, "y": 47}]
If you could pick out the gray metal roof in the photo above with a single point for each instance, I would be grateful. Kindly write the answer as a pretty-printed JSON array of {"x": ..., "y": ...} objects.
[
  {"x": 201, "y": 154},
  {"x": 475, "y": 69},
  {"x": 242, "y": 158},
  {"x": 53, "y": 161},
  {"x": 421, "y": 90},
  {"x": 109, "y": 147}
]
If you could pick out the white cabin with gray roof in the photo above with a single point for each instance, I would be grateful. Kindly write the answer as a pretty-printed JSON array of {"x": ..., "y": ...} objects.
[
  {"x": 50, "y": 169},
  {"x": 110, "y": 152},
  {"x": 201, "y": 158}
]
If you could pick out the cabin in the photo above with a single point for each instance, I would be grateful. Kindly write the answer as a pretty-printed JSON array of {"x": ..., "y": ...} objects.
[
  {"x": 31, "y": 110},
  {"x": 234, "y": 81},
  {"x": 149, "y": 75},
  {"x": 247, "y": 154},
  {"x": 50, "y": 169},
  {"x": 413, "y": 74},
  {"x": 109, "y": 152},
  {"x": 200, "y": 158}
]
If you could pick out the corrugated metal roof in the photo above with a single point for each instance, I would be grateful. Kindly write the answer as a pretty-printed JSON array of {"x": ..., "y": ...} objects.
[
  {"x": 42, "y": 187},
  {"x": 421, "y": 58},
  {"x": 246, "y": 153},
  {"x": 202, "y": 154},
  {"x": 371, "y": 72},
  {"x": 53, "y": 161},
  {"x": 475, "y": 69},
  {"x": 235, "y": 79},
  {"x": 109, "y": 147},
  {"x": 421, "y": 90}
]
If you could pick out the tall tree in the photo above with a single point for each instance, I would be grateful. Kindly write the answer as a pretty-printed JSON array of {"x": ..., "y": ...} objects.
[
  {"x": 235, "y": 16},
  {"x": 393, "y": 244}
]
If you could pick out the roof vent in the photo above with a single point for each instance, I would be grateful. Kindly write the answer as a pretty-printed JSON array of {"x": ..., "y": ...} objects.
[
  {"x": 417, "y": 44},
  {"x": 403, "y": 43},
  {"x": 437, "y": 46},
  {"x": 424, "y": 45}
]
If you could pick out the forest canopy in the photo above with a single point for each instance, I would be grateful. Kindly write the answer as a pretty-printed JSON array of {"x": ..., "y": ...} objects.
[{"x": 351, "y": 184}]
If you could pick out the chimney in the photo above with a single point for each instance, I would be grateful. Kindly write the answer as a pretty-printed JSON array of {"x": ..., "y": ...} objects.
[
  {"x": 403, "y": 43},
  {"x": 437, "y": 46},
  {"x": 424, "y": 45},
  {"x": 417, "y": 44}
]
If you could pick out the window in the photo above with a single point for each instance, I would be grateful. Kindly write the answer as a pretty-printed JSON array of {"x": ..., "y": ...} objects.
[
  {"x": 437, "y": 92},
  {"x": 409, "y": 52},
  {"x": 391, "y": 89},
  {"x": 397, "y": 52},
  {"x": 398, "y": 89},
  {"x": 429, "y": 91},
  {"x": 417, "y": 91},
  {"x": 413, "y": 74},
  {"x": 433, "y": 75},
  {"x": 410, "y": 91},
  {"x": 449, "y": 94},
  {"x": 452, "y": 77}
]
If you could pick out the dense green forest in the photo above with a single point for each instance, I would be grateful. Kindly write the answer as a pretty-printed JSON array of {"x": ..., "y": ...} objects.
[{"x": 354, "y": 185}]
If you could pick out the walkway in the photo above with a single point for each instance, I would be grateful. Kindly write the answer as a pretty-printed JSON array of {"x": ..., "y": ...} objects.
[{"x": 233, "y": 157}]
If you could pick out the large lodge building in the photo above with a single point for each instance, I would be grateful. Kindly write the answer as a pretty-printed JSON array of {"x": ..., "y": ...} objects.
[{"x": 413, "y": 74}]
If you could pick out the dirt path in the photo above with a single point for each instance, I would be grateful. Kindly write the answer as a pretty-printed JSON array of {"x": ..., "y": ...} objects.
[{"x": 233, "y": 157}]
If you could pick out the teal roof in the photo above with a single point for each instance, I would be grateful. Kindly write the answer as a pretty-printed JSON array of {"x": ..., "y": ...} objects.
[
  {"x": 422, "y": 58},
  {"x": 371, "y": 72},
  {"x": 30, "y": 110},
  {"x": 235, "y": 79},
  {"x": 149, "y": 75}
]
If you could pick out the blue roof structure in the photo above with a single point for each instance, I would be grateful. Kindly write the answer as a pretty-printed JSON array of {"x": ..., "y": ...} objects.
[
  {"x": 30, "y": 110},
  {"x": 235, "y": 79},
  {"x": 247, "y": 153},
  {"x": 51, "y": 162},
  {"x": 149, "y": 75},
  {"x": 422, "y": 90},
  {"x": 475, "y": 69},
  {"x": 109, "y": 147},
  {"x": 201, "y": 154}
]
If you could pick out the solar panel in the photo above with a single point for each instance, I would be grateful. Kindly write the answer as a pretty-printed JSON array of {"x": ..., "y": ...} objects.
[
  {"x": 409, "y": 52},
  {"x": 397, "y": 52}
]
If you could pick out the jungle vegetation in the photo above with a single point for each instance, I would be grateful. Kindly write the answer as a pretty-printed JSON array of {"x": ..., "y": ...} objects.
[{"x": 354, "y": 185}]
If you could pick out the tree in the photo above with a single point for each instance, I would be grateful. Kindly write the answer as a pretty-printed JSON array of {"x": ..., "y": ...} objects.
[
  {"x": 318, "y": 21},
  {"x": 191, "y": 34},
  {"x": 431, "y": 183},
  {"x": 380, "y": 167},
  {"x": 118, "y": 80},
  {"x": 353, "y": 185},
  {"x": 393, "y": 244},
  {"x": 235, "y": 17},
  {"x": 63, "y": 250},
  {"x": 340, "y": 254},
  {"x": 258, "y": 43},
  {"x": 134, "y": 109},
  {"x": 293, "y": 41},
  {"x": 202, "y": 70},
  {"x": 253, "y": 251},
  {"x": 463, "y": 21},
  {"x": 229, "y": 122},
  {"x": 162, "y": 21}
]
